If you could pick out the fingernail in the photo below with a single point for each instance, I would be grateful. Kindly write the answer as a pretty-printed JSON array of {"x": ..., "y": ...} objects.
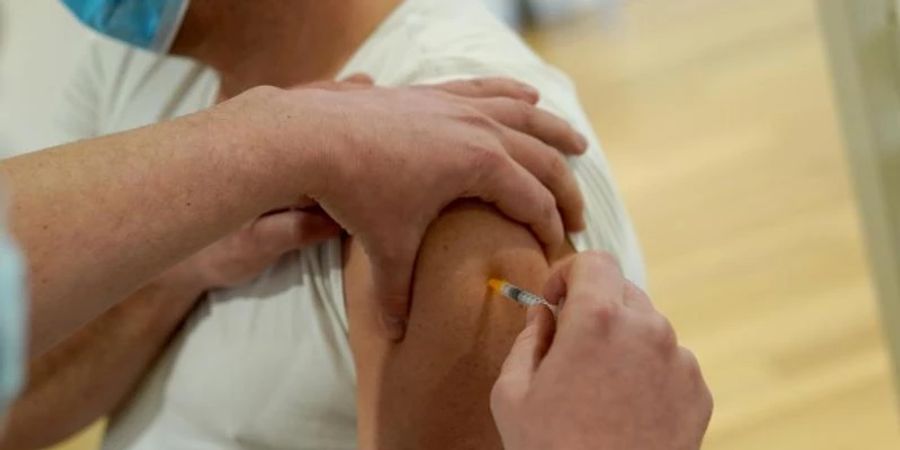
[
  {"x": 580, "y": 224},
  {"x": 582, "y": 142},
  {"x": 532, "y": 92},
  {"x": 531, "y": 315},
  {"x": 394, "y": 326}
]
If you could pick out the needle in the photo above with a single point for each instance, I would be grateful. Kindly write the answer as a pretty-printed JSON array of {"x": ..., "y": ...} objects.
[{"x": 519, "y": 295}]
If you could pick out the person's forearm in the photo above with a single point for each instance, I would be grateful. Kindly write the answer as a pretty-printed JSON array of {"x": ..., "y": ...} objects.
[
  {"x": 99, "y": 218},
  {"x": 87, "y": 376}
]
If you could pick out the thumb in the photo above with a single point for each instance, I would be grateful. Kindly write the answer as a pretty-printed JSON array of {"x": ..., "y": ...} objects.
[
  {"x": 527, "y": 352},
  {"x": 392, "y": 272},
  {"x": 292, "y": 230}
]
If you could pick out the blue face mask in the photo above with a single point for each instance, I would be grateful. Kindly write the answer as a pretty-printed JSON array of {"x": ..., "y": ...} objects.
[
  {"x": 148, "y": 24},
  {"x": 12, "y": 320}
]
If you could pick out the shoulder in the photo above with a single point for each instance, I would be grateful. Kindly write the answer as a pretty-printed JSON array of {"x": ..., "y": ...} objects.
[
  {"x": 441, "y": 41},
  {"x": 430, "y": 41},
  {"x": 466, "y": 41}
]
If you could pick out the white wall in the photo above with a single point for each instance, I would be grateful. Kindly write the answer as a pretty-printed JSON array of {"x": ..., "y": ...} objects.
[{"x": 39, "y": 44}]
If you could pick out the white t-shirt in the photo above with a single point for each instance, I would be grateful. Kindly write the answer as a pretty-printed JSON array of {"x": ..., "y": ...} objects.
[{"x": 269, "y": 365}]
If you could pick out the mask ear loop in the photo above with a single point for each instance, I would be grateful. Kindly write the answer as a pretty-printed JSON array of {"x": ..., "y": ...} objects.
[{"x": 170, "y": 22}]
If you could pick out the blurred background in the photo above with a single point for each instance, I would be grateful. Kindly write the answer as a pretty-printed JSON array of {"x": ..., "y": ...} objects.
[{"x": 726, "y": 135}]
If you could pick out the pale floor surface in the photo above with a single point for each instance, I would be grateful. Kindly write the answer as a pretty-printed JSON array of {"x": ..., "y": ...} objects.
[{"x": 718, "y": 119}]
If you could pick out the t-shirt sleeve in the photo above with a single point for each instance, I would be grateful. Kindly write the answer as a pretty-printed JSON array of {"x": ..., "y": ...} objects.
[
  {"x": 608, "y": 223},
  {"x": 78, "y": 114}
]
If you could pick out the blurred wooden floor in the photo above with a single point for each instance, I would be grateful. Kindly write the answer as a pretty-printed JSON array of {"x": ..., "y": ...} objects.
[{"x": 718, "y": 119}]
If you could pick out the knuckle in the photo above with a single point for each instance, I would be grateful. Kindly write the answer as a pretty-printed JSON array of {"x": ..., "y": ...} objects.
[
  {"x": 664, "y": 334},
  {"x": 549, "y": 206},
  {"x": 605, "y": 314},
  {"x": 549, "y": 218},
  {"x": 637, "y": 292},
  {"x": 518, "y": 113},
  {"x": 488, "y": 160},
  {"x": 708, "y": 403},
  {"x": 704, "y": 398},
  {"x": 702, "y": 394},
  {"x": 528, "y": 114},
  {"x": 690, "y": 363},
  {"x": 473, "y": 117},
  {"x": 689, "y": 359},
  {"x": 478, "y": 83},
  {"x": 557, "y": 166}
]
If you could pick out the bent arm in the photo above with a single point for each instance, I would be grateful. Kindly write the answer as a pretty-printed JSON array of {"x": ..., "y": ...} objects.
[
  {"x": 90, "y": 374},
  {"x": 432, "y": 389},
  {"x": 97, "y": 219}
]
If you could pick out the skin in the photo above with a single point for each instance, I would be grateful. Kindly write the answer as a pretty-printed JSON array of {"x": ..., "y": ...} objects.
[
  {"x": 255, "y": 151},
  {"x": 50, "y": 410},
  {"x": 559, "y": 375},
  {"x": 54, "y": 405},
  {"x": 241, "y": 40},
  {"x": 458, "y": 334},
  {"x": 452, "y": 312},
  {"x": 94, "y": 371},
  {"x": 253, "y": 43}
]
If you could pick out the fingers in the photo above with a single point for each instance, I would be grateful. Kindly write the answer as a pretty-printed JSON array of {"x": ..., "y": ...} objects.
[
  {"x": 243, "y": 255},
  {"x": 522, "y": 197},
  {"x": 594, "y": 289},
  {"x": 286, "y": 231},
  {"x": 557, "y": 288},
  {"x": 551, "y": 169},
  {"x": 705, "y": 402},
  {"x": 392, "y": 275},
  {"x": 533, "y": 121},
  {"x": 359, "y": 78},
  {"x": 591, "y": 278},
  {"x": 490, "y": 87},
  {"x": 636, "y": 298},
  {"x": 528, "y": 135},
  {"x": 526, "y": 354},
  {"x": 354, "y": 82}
]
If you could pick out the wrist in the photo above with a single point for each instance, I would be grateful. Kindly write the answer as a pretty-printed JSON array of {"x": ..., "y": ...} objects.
[
  {"x": 275, "y": 146},
  {"x": 165, "y": 300},
  {"x": 179, "y": 283}
]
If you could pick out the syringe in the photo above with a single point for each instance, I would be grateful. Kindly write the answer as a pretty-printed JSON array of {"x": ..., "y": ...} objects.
[{"x": 519, "y": 295}]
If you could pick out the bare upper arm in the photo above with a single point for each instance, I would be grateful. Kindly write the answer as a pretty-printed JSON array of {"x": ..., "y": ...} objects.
[{"x": 432, "y": 389}]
